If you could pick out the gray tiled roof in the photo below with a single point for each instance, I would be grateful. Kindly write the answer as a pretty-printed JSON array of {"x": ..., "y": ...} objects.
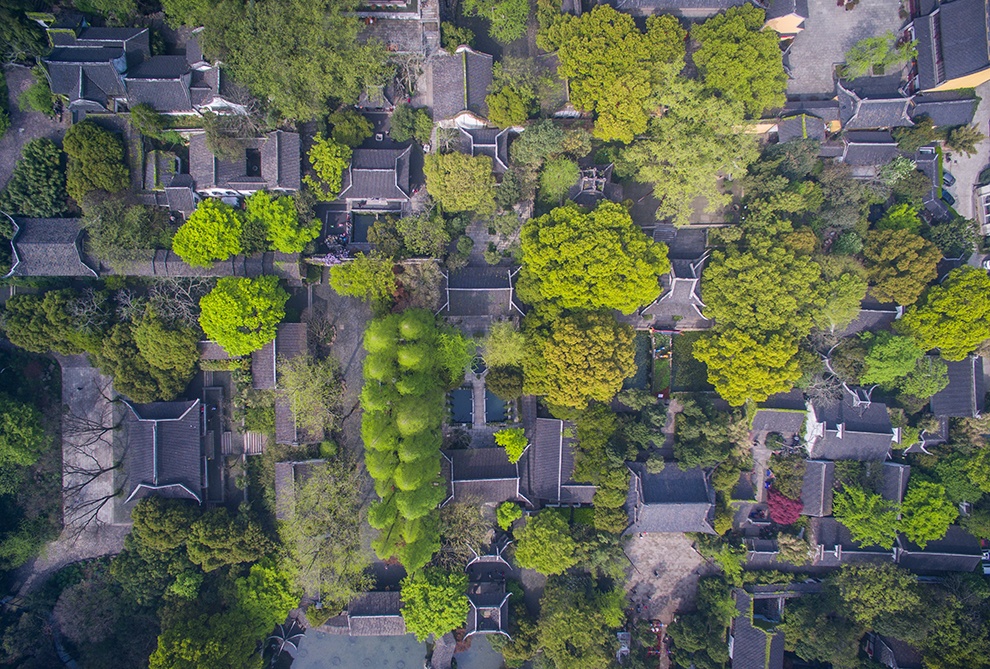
[
  {"x": 964, "y": 32},
  {"x": 752, "y": 647},
  {"x": 827, "y": 110},
  {"x": 964, "y": 396},
  {"x": 685, "y": 7},
  {"x": 869, "y": 149},
  {"x": 800, "y": 126},
  {"x": 163, "y": 450},
  {"x": 778, "y": 420},
  {"x": 49, "y": 247},
  {"x": 280, "y": 164},
  {"x": 858, "y": 113},
  {"x": 925, "y": 29},
  {"x": 377, "y": 174},
  {"x": 835, "y": 545},
  {"x": 777, "y": 8},
  {"x": 895, "y": 481},
  {"x": 816, "y": 489},
  {"x": 896, "y": 654},
  {"x": 291, "y": 341},
  {"x": 376, "y": 614},
  {"x": 671, "y": 501},
  {"x": 853, "y": 432},
  {"x": 460, "y": 83},
  {"x": 483, "y": 474},
  {"x": 958, "y": 550},
  {"x": 870, "y": 320},
  {"x": 547, "y": 467},
  {"x": 949, "y": 112},
  {"x": 288, "y": 477}
]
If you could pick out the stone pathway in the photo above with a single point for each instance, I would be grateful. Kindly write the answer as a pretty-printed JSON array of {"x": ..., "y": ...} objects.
[
  {"x": 966, "y": 169},
  {"x": 69, "y": 548},
  {"x": 24, "y": 126}
]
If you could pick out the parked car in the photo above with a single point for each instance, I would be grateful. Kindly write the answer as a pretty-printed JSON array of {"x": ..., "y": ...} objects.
[
  {"x": 947, "y": 197},
  {"x": 948, "y": 179}
]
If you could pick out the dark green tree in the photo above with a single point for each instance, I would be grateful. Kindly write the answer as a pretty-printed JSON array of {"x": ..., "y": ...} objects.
[{"x": 37, "y": 185}]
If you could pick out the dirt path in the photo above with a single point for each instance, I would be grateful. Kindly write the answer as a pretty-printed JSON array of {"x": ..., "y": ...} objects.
[
  {"x": 664, "y": 576},
  {"x": 69, "y": 548}
]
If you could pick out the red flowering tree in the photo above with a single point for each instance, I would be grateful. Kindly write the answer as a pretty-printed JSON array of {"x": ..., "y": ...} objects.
[{"x": 783, "y": 510}]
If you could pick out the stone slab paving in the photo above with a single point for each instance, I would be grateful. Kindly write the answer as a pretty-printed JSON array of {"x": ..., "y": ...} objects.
[
  {"x": 966, "y": 169},
  {"x": 828, "y": 33}
]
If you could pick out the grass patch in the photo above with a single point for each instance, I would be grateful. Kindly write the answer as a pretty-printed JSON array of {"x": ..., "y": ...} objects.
[
  {"x": 661, "y": 375},
  {"x": 688, "y": 374}
]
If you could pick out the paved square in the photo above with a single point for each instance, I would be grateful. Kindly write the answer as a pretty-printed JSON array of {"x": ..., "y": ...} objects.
[{"x": 828, "y": 33}]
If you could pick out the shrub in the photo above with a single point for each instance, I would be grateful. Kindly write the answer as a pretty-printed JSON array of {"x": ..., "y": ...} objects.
[
  {"x": 508, "y": 513},
  {"x": 783, "y": 510}
]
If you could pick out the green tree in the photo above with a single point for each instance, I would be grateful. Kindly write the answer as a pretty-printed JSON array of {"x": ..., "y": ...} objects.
[
  {"x": 507, "y": 17},
  {"x": 514, "y": 441},
  {"x": 876, "y": 55},
  {"x": 595, "y": 260},
  {"x": 743, "y": 368},
  {"x": 901, "y": 217},
  {"x": 96, "y": 160},
  {"x": 163, "y": 524},
  {"x": 434, "y": 601},
  {"x": 452, "y": 36},
  {"x": 241, "y": 314},
  {"x": 22, "y": 435},
  {"x": 964, "y": 139},
  {"x": 542, "y": 140},
  {"x": 701, "y": 436},
  {"x": 954, "y": 316},
  {"x": 926, "y": 513},
  {"x": 169, "y": 350},
  {"x": 219, "y": 640},
  {"x": 350, "y": 127},
  {"x": 763, "y": 290},
  {"x": 876, "y": 593},
  {"x": 688, "y": 148},
  {"x": 615, "y": 70},
  {"x": 740, "y": 60},
  {"x": 889, "y": 359},
  {"x": 211, "y": 233},
  {"x": 313, "y": 389},
  {"x": 511, "y": 105},
  {"x": 329, "y": 160},
  {"x": 293, "y": 53},
  {"x": 506, "y": 383},
  {"x": 460, "y": 182},
  {"x": 955, "y": 237},
  {"x": 583, "y": 357},
  {"x": 267, "y": 595},
  {"x": 896, "y": 170},
  {"x": 503, "y": 346},
  {"x": 576, "y": 624},
  {"x": 899, "y": 264},
  {"x": 929, "y": 376},
  {"x": 871, "y": 520},
  {"x": 42, "y": 323},
  {"x": 119, "y": 232},
  {"x": 911, "y": 138},
  {"x": 424, "y": 235},
  {"x": 37, "y": 185},
  {"x": 813, "y": 630},
  {"x": 216, "y": 540},
  {"x": 280, "y": 218},
  {"x": 408, "y": 123},
  {"x": 556, "y": 179},
  {"x": 508, "y": 513},
  {"x": 366, "y": 276},
  {"x": 842, "y": 296},
  {"x": 324, "y": 540},
  {"x": 21, "y": 39},
  {"x": 38, "y": 96},
  {"x": 545, "y": 544}
]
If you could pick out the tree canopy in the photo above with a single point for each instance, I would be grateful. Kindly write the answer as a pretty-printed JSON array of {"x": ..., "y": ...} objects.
[
  {"x": 434, "y": 601},
  {"x": 888, "y": 359},
  {"x": 743, "y": 368},
  {"x": 211, "y": 233},
  {"x": 740, "y": 60},
  {"x": 329, "y": 159},
  {"x": 460, "y": 182},
  {"x": 871, "y": 520},
  {"x": 689, "y": 149},
  {"x": 279, "y": 217},
  {"x": 953, "y": 316},
  {"x": 579, "y": 358},
  {"x": 96, "y": 160},
  {"x": 292, "y": 53},
  {"x": 37, "y": 184},
  {"x": 507, "y": 17},
  {"x": 595, "y": 260},
  {"x": 615, "y": 70},
  {"x": 367, "y": 277},
  {"x": 242, "y": 315},
  {"x": 875, "y": 55},
  {"x": 899, "y": 264},
  {"x": 545, "y": 544},
  {"x": 926, "y": 513},
  {"x": 119, "y": 232}
]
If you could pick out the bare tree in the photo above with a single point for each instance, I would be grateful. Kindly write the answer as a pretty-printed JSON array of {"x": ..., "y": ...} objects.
[
  {"x": 90, "y": 310},
  {"x": 176, "y": 299},
  {"x": 89, "y": 460},
  {"x": 824, "y": 390},
  {"x": 408, "y": 69}
]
